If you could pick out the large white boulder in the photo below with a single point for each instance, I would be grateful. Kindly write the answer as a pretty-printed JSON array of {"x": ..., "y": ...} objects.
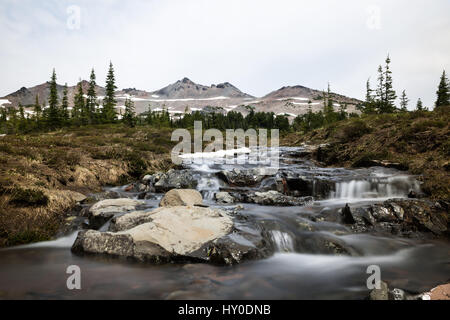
[{"x": 162, "y": 235}]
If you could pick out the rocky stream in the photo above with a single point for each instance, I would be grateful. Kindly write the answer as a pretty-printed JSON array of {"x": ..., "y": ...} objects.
[{"x": 212, "y": 230}]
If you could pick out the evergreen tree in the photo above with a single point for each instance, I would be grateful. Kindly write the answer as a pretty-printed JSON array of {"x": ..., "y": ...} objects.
[
  {"x": 12, "y": 116},
  {"x": 385, "y": 94},
  {"x": 389, "y": 97},
  {"x": 443, "y": 94},
  {"x": 129, "y": 115},
  {"x": 53, "y": 112},
  {"x": 65, "y": 105},
  {"x": 369, "y": 105},
  {"x": 37, "y": 109},
  {"x": 3, "y": 114},
  {"x": 22, "y": 123},
  {"x": 109, "y": 103},
  {"x": 79, "y": 112},
  {"x": 343, "y": 109},
  {"x": 404, "y": 102},
  {"x": 329, "y": 106},
  {"x": 91, "y": 100},
  {"x": 419, "y": 106},
  {"x": 282, "y": 123},
  {"x": 380, "y": 89},
  {"x": 21, "y": 112},
  {"x": 369, "y": 92},
  {"x": 324, "y": 97}
]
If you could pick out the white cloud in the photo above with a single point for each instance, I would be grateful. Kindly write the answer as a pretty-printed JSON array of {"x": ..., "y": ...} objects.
[{"x": 257, "y": 45}]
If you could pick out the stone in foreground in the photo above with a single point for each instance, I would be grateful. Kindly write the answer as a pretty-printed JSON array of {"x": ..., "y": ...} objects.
[{"x": 175, "y": 234}]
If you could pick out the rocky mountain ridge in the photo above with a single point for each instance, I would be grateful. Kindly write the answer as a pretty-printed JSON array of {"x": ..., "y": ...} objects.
[{"x": 184, "y": 93}]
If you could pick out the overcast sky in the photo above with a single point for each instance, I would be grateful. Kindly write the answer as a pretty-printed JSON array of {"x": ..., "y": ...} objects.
[{"x": 259, "y": 46}]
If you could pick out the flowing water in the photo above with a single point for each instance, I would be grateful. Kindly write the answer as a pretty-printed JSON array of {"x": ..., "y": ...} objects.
[{"x": 38, "y": 271}]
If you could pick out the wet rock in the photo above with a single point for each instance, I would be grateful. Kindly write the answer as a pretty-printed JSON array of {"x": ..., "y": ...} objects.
[
  {"x": 175, "y": 234},
  {"x": 104, "y": 210},
  {"x": 147, "y": 179},
  {"x": 139, "y": 187},
  {"x": 412, "y": 194},
  {"x": 224, "y": 197},
  {"x": 401, "y": 217},
  {"x": 181, "y": 197},
  {"x": 146, "y": 196},
  {"x": 398, "y": 294},
  {"x": 243, "y": 178},
  {"x": 236, "y": 248},
  {"x": 91, "y": 241},
  {"x": 271, "y": 183},
  {"x": 380, "y": 294},
  {"x": 102, "y": 196},
  {"x": 347, "y": 216},
  {"x": 322, "y": 243},
  {"x": 275, "y": 198},
  {"x": 416, "y": 195},
  {"x": 383, "y": 213},
  {"x": 300, "y": 185},
  {"x": 384, "y": 293},
  {"x": 174, "y": 179}
]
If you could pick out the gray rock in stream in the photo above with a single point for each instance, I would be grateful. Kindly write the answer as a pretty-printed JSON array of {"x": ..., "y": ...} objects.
[
  {"x": 301, "y": 185},
  {"x": 175, "y": 234},
  {"x": 174, "y": 179},
  {"x": 245, "y": 178},
  {"x": 274, "y": 198},
  {"x": 224, "y": 197},
  {"x": 405, "y": 217}
]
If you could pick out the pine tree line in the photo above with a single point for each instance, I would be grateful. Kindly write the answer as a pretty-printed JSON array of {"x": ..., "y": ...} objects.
[
  {"x": 86, "y": 107},
  {"x": 87, "y": 110},
  {"x": 382, "y": 100}
]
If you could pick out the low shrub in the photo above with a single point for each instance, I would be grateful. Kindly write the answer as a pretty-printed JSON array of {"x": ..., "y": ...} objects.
[
  {"x": 136, "y": 164},
  {"x": 25, "y": 237},
  {"x": 28, "y": 197},
  {"x": 354, "y": 130}
]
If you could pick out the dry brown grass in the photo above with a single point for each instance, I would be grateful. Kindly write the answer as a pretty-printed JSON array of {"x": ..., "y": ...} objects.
[{"x": 57, "y": 165}]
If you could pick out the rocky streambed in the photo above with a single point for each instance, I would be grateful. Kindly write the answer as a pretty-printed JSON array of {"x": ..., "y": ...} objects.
[{"x": 216, "y": 230}]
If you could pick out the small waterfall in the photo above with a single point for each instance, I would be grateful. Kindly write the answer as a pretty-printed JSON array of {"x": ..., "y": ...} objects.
[
  {"x": 378, "y": 187},
  {"x": 283, "y": 241},
  {"x": 208, "y": 186}
]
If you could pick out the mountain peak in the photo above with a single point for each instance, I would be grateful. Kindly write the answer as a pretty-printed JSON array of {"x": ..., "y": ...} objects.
[
  {"x": 186, "y": 81},
  {"x": 187, "y": 89}
]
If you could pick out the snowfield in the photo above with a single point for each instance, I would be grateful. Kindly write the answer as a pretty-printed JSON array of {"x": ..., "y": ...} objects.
[
  {"x": 172, "y": 100},
  {"x": 288, "y": 114},
  {"x": 293, "y": 98},
  {"x": 4, "y": 101}
]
